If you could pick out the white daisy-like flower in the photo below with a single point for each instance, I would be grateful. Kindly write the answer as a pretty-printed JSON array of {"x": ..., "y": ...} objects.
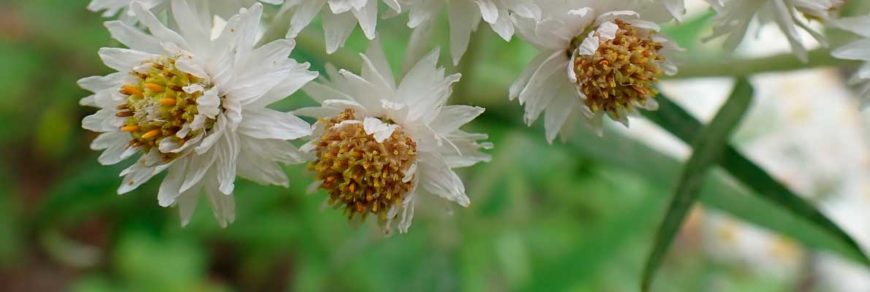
[
  {"x": 121, "y": 8},
  {"x": 193, "y": 102},
  {"x": 594, "y": 60},
  {"x": 858, "y": 50},
  {"x": 464, "y": 17},
  {"x": 339, "y": 19},
  {"x": 379, "y": 146},
  {"x": 734, "y": 18}
]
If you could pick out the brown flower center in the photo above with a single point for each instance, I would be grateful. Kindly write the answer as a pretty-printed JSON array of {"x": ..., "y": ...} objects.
[
  {"x": 157, "y": 107},
  {"x": 622, "y": 73},
  {"x": 361, "y": 175}
]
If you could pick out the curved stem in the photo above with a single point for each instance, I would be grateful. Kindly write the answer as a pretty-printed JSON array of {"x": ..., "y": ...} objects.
[{"x": 744, "y": 67}]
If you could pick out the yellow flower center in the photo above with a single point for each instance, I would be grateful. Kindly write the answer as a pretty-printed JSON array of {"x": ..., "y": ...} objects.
[
  {"x": 361, "y": 175},
  {"x": 158, "y": 107},
  {"x": 622, "y": 73}
]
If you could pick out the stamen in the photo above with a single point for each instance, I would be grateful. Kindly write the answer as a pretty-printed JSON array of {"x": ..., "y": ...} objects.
[
  {"x": 130, "y": 128},
  {"x": 157, "y": 107},
  {"x": 151, "y": 134},
  {"x": 154, "y": 87},
  {"x": 167, "y": 101},
  {"x": 622, "y": 74},
  {"x": 131, "y": 90},
  {"x": 361, "y": 175}
]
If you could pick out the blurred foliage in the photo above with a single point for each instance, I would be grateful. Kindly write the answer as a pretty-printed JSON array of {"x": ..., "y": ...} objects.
[{"x": 578, "y": 216}]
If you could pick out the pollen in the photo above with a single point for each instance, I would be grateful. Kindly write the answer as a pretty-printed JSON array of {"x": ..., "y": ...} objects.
[
  {"x": 167, "y": 101},
  {"x": 156, "y": 106},
  {"x": 360, "y": 175},
  {"x": 622, "y": 73}
]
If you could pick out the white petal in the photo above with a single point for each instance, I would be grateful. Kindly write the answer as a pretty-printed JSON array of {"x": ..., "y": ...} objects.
[
  {"x": 134, "y": 38},
  {"x": 379, "y": 130},
  {"x": 222, "y": 205},
  {"x": 450, "y": 118},
  {"x": 272, "y": 124},
  {"x": 558, "y": 111},
  {"x": 464, "y": 18},
  {"x": 368, "y": 18},
  {"x": 439, "y": 179},
  {"x": 337, "y": 28},
  {"x": 196, "y": 170},
  {"x": 227, "y": 155},
  {"x": 303, "y": 16},
  {"x": 171, "y": 186},
  {"x": 156, "y": 28},
  {"x": 124, "y": 60},
  {"x": 136, "y": 175},
  {"x": 858, "y": 50},
  {"x": 187, "y": 202}
]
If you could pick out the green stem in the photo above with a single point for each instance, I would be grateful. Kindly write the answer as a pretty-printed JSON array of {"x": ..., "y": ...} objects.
[{"x": 819, "y": 58}]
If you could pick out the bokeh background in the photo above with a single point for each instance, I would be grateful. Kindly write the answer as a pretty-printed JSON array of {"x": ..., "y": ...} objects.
[{"x": 575, "y": 216}]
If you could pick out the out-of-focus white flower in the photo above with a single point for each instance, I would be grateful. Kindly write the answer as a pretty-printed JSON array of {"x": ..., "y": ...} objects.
[
  {"x": 339, "y": 19},
  {"x": 379, "y": 145},
  {"x": 121, "y": 8},
  {"x": 464, "y": 17},
  {"x": 735, "y": 17},
  {"x": 193, "y": 102},
  {"x": 595, "y": 59},
  {"x": 748, "y": 246},
  {"x": 858, "y": 50}
]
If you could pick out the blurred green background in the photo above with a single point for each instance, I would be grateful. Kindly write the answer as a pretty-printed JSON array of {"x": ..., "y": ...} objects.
[{"x": 576, "y": 216}]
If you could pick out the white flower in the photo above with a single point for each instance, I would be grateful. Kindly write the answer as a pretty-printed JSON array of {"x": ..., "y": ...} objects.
[
  {"x": 594, "y": 59},
  {"x": 120, "y": 8},
  {"x": 857, "y": 50},
  {"x": 735, "y": 16},
  {"x": 464, "y": 17},
  {"x": 194, "y": 103},
  {"x": 379, "y": 145},
  {"x": 339, "y": 19}
]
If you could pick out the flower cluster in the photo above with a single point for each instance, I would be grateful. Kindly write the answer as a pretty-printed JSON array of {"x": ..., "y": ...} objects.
[{"x": 191, "y": 93}]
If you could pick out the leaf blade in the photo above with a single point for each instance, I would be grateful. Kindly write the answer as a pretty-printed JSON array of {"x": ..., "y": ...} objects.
[
  {"x": 708, "y": 147},
  {"x": 684, "y": 126}
]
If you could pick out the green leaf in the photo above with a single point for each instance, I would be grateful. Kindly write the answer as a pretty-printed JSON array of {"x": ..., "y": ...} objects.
[
  {"x": 681, "y": 124},
  {"x": 689, "y": 33},
  {"x": 708, "y": 147}
]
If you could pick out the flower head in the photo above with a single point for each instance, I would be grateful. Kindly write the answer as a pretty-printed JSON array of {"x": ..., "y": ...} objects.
[
  {"x": 594, "y": 60},
  {"x": 465, "y": 15},
  {"x": 339, "y": 19},
  {"x": 735, "y": 16},
  {"x": 193, "y": 102},
  {"x": 379, "y": 146}
]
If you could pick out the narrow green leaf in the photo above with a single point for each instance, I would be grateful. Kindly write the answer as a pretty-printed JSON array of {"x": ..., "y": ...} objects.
[
  {"x": 681, "y": 124},
  {"x": 689, "y": 33},
  {"x": 708, "y": 148}
]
